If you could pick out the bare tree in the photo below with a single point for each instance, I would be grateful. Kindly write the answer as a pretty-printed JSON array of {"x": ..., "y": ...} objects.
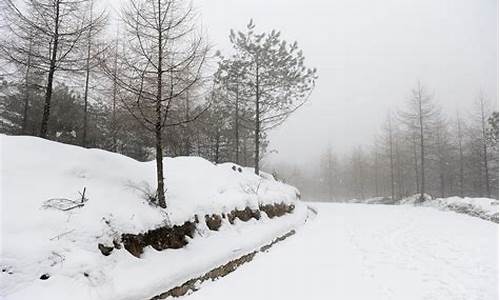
[
  {"x": 93, "y": 51},
  {"x": 163, "y": 59},
  {"x": 329, "y": 170},
  {"x": 57, "y": 27},
  {"x": 419, "y": 116},
  {"x": 27, "y": 85},
  {"x": 484, "y": 142},
  {"x": 460, "y": 153},
  {"x": 389, "y": 141}
]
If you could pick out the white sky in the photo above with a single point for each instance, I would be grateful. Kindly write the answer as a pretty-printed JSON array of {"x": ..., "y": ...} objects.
[{"x": 369, "y": 55}]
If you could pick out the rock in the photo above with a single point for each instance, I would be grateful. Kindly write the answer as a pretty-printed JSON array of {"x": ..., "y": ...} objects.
[
  {"x": 105, "y": 250},
  {"x": 117, "y": 244},
  {"x": 133, "y": 243},
  {"x": 213, "y": 222}
]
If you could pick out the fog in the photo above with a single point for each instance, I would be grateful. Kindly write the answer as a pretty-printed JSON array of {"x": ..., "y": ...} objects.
[{"x": 369, "y": 55}]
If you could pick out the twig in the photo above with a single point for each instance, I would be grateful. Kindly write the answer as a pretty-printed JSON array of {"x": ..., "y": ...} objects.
[
  {"x": 75, "y": 206},
  {"x": 62, "y": 234}
]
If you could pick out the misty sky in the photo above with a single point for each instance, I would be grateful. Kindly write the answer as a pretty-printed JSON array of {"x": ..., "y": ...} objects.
[{"x": 369, "y": 55}]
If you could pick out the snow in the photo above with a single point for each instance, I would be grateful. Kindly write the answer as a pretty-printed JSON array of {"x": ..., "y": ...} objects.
[
  {"x": 484, "y": 208},
  {"x": 37, "y": 240},
  {"x": 359, "y": 251}
]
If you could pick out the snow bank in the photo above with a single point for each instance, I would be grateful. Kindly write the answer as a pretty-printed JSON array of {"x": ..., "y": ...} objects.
[
  {"x": 484, "y": 208},
  {"x": 375, "y": 200},
  {"x": 37, "y": 239}
]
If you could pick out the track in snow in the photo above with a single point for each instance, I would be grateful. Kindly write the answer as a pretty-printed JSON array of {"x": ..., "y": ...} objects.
[{"x": 357, "y": 251}]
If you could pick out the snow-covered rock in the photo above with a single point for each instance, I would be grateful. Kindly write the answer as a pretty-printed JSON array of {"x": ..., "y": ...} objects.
[{"x": 49, "y": 237}]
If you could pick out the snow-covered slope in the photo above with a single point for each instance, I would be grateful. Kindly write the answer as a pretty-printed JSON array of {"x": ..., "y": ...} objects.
[{"x": 38, "y": 239}]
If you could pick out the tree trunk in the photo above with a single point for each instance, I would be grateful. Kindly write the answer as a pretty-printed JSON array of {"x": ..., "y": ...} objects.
[
  {"x": 485, "y": 150},
  {"x": 421, "y": 122},
  {"x": 187, "y": 136},
  {"x": 257, "y": 122},
  {"x": 160, "y": 191},
  {"x": 415, "y": 162},
  {"x": 398, "y": 162},
  {"x": 87, "y": 78},
  {"x": 461, "y": 157},
  {"x": 376, "y": 175},
  {"x": 113, "y": 114},
  {"x": 217, "y": 146},
  {"x": 391, "y": 159},
  {"x": 26, "y": 91},
  {"x": 245, "y": 150},
  {"x": 237, "y": 126},
  {"x": 50, "y": 77},
  {"x": 441, "y": 181},
  {"x": 86, "y": 95},
  {"x": 361, "y": 184}
]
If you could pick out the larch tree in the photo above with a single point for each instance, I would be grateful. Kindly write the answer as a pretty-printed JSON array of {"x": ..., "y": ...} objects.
[
  {"x": 484, "y": 141},
  {"x": 162, "y": 59},
  {"x": 93, "y": 49},
  {"x": 232, "y": 75},
  {"x": 276, "y": 72},
  {"x": 389, "y": 149},
  {"x": 442, "y": 149},
  {"x": 459, "y": 132},
  {"x": 56, "y": 29},
  {"x": 419, "y": 116},
  {"x": 329, "y": 170}
]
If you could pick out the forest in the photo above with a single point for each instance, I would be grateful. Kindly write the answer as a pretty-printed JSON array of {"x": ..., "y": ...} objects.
[
  {"x": 148, "y": 85},
  {"x": 420, "y": 149}
]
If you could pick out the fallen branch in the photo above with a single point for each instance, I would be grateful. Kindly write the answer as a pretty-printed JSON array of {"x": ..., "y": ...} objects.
[{"x": 64, "y": 204}]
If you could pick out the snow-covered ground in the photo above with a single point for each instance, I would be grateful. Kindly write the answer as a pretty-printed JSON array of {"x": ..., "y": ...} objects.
[
  {"x": 49, "y": 238},
  {"x": 359, "y": 251}
]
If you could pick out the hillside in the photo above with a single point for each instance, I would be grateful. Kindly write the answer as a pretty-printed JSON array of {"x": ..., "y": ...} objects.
[{"x": 77, "y": 223}]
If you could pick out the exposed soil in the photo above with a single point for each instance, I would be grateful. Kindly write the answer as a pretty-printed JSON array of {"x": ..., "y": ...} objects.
[
  {"x": 160, "y": 238},
  {"x": 243, "y": 215},
  {"x": 277, "y": 210},
  {"x": 175, "y": 237}
]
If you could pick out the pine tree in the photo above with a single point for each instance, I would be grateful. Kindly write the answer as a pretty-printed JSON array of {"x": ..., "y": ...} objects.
[{"x": 281, "y": 82}]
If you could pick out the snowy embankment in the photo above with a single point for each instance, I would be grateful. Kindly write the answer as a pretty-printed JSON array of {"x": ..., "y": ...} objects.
[
  {"x": 484, "y": 208},
  {"x": 50, "y": 233}
]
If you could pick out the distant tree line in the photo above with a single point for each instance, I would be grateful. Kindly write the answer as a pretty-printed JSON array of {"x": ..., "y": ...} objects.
[
  {"x": 145, "y": 91},
  {"x": 419, "y": 150}
]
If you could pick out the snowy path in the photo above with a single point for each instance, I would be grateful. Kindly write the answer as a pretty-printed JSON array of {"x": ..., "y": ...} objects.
[{"x": 356, "y": 251}]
